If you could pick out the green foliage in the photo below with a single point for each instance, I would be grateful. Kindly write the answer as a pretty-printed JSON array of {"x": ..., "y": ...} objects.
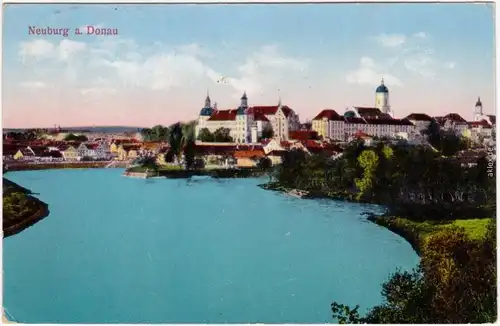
[
  {"x": 456, "y": 279},
  {"x": 148, "y": 163},
  {"x": 345, "y": 315},
  {"x": 455, "y": 283},
  {"x": 189, "y": 154},
  {"x": 412, "y": 181},
  {"x": 26, "y": 135},
  {"x": 447, "y": 142},
  {"x": 267, "y": 133},
  {"x": 368, "y": 160},
  {"x": 220, "y": 135},
  {"x": 16, "y": 203},
  {"x": 73, "y": 137},
  {"x": 206, "y": 136},
  {"x": 264, "y": 163},
  {"x": 387, "y": 152},
  {"x": 176, "y": 138}
]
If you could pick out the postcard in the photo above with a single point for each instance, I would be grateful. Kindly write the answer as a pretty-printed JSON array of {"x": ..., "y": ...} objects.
[{"x": 276, "y": 163}]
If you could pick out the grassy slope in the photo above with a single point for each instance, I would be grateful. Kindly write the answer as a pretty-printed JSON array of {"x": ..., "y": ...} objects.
[{"x": 474, "y": 228}]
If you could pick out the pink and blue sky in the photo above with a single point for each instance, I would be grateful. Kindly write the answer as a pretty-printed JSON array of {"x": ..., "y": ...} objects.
[{"x": 435, "y": 58}]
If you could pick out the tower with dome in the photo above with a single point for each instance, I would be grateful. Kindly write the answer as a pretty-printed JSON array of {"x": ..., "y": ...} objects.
[
  {"x": 205, "y": 114},
  {"x": 478, "y": 110},
  {"x": 382, "y": 99}
]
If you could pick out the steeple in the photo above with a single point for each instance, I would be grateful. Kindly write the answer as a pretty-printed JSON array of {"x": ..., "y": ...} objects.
[
  {"x": 244, "y": 100},
  {"x": 382, "y": 99},
  {"x": 478, "y": 110},
  {"x": 207, "y": 100},
  {"x": 279, "y": 102},
  {"x": 479, "y": 103}
]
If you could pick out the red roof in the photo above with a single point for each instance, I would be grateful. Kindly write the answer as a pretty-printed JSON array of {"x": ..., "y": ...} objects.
[
  {"x": 131, "y": 147},
  {"x": 360, "y": 134},
  {"x": 493, "y": 118},
  {"x": 277, "y": 153},
  {"x": 389, "y": 122},
  {"x": 268, "y": 110},
  {"x": 215, "y": 150},
  {"x": 454, "y": 117},
  {"x": 9, "y": 149},
  {"x": 124, "y": 141},
  {"x": 92, "y": 146},
  {"x": 260, "y": 117},
  {"x": 303, "y": 134},
  {"x": 249, "y": 153},
  {"x": 419, "y": 117},
  {"x": 355, "y": 120},
  {"x": 285, "y": 144},
  {"x": 439, "y": 120},
  {"x": 223, "y": 115},
  {"x": 329, "y": 114},
  {"x": 482, "y": 123}
]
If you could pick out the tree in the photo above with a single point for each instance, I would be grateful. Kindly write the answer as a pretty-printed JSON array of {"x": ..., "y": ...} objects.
[
  {"x": 368, "y": 160},
  {"x": 222, "y": 135},
  {"x": 264, "y": 163},
  {"x": 433, "y": 133},
  {"x": 205, "y": 135},
  {"x": 189, "y": 154},
  {"x": 149, "y": 163},
  {"x": 451, "y": 143},
  {"x": 176, "y": 139},
  {"x": 455, "y": 283},
  {"x": 73, "y": 137},
  {"x": 267, "y": 132}
]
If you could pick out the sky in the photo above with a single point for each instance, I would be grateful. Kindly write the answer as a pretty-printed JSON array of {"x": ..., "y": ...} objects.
[{"x": 435, "y": 58}]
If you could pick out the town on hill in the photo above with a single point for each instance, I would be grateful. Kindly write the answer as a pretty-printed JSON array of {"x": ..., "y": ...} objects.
[{"x": 246, "y": 134}]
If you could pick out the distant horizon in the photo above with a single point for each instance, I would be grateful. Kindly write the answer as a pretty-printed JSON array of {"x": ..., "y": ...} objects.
[{"x": 334, "y": 59}]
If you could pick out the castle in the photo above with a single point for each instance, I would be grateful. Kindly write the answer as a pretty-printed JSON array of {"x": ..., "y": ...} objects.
[{"x": 246, "y": 123}]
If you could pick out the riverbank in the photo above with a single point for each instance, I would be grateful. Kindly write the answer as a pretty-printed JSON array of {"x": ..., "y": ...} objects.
[
  {"x": 66, "y": 165},
  {"x": 140, "y": 175},
  {"x": 416, "y": 233},
  {"x": 315, "y": 194},
  {"x": 20, "y": 209},
  {"x": 181, "y": 173}
]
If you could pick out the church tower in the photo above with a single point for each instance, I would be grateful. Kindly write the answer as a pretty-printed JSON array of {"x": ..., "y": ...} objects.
[
  {"x": 244, "y": 100},
  {"x": 382, "y": 99},
  {"x": 478, "y": 110},
  {"x": 205, "y": 114},
  {"x": 207, "y": 101}
]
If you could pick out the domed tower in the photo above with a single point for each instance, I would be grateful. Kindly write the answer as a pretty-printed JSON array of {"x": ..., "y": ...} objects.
[
  {"x": 207, "y": 110},
  {"x": 382, "y": 98},
  {"x": 205, "y": 113},
  {"x": 242, "y": 135},
  {"x": 478, "y": 110}
]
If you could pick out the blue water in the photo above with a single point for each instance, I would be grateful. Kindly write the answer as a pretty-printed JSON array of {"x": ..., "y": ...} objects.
[{"x": 121, "y": 250}]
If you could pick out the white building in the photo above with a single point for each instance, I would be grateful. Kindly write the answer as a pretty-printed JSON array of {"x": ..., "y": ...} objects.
[
  {"x": 483, "y": 126},
  {"x": 94, "y": 151},
  {"x": 374, "y": 121},
  {"x": 382, "y": 99},
  {"x": 453, "y": 122},
  {"x": 246, "y": 124},
  {"x": 420, "y": 120}
]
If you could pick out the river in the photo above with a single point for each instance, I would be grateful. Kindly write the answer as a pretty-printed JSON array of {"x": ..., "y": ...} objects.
[{"x": 122, "y": 250}]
